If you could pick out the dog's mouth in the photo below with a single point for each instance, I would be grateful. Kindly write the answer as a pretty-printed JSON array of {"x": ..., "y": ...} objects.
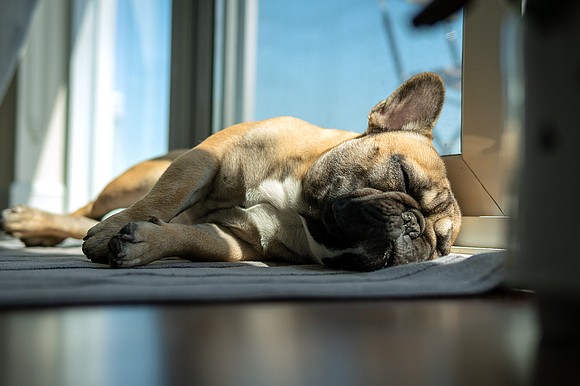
[
  {"x": 384, "y": 228},
  {"x": 370, "y": 229},
  {"x": 377, "y": 216}
]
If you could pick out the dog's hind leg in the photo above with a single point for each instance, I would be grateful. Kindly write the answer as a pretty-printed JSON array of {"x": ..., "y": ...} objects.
[
  {"x": 126, "y": 189},
  {"x": 36, "y": 227}
]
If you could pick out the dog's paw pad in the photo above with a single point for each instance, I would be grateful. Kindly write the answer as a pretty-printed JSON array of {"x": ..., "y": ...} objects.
[
  {"x": 128, "y": 232},
  {"x": 115, "y": 245},
  {"x": 118, "y": 244}
]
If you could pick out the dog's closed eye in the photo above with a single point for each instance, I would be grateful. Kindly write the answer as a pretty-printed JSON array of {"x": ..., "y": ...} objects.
[
  {"x": 373, "y": 216},
  {"x": 406, "y": 180}
]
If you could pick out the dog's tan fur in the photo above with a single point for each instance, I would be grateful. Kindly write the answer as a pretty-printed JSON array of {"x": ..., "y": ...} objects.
[{"x": 284, "y": 189}]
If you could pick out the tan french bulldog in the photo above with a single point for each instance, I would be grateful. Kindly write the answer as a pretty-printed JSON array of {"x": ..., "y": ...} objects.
[
  {"x": 280, "y": 189},
  {"x": 286, "y": 190}
]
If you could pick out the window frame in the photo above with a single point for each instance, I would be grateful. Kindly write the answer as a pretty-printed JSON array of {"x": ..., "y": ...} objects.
[
  {"x": 192, "y": 69},
  {"x": 480, "y": 175}
]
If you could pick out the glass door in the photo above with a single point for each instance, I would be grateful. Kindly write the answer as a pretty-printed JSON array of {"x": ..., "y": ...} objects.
[{"x": 119, "y": 82}]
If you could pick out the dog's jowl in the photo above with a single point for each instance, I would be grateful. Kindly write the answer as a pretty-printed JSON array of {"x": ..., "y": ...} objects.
[{"x": 286, "y": 190}]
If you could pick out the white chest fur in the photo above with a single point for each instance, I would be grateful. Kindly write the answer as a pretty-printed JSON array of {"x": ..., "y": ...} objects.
[
  {"x": 272, "y": 209},
  {"x": 283, "y": 195}
]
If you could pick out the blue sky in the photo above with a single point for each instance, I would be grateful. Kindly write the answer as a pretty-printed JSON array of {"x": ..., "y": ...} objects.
[{"x": 330, "y": 61}]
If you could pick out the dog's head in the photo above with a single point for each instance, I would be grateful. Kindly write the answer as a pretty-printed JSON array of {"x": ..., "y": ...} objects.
[{"x": 383, "y": 198}]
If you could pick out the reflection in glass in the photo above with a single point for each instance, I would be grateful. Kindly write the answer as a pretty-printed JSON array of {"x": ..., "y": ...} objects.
[{"x": 141, "y": 62}]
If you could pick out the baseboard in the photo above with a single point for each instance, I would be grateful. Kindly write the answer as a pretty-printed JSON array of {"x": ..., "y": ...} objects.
[
  {"x": 483, "y": 232},
  {"x": 44, "y": 195}
]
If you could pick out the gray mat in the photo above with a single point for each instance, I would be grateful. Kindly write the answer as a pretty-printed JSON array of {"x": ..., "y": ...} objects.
[{"x": 63, "y": 276}]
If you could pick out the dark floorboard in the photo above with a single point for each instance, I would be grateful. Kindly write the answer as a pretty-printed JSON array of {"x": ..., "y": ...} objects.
[{"x": 488, "y": 340}]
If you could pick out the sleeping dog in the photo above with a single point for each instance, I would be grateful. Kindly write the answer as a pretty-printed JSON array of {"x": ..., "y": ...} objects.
[{"x": 286, "y": 190}]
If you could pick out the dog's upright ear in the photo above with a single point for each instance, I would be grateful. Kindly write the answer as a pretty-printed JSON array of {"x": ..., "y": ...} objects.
[{"x": 414, "y": 106}]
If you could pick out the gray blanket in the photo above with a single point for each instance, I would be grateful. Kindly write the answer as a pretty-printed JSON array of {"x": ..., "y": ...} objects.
[{"x": 64, "y": 276}]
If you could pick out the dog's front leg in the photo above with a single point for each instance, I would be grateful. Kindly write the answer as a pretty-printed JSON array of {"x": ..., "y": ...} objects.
[
  {"x": 183, "y": 184},
  {"x": 142, "y": 242}
]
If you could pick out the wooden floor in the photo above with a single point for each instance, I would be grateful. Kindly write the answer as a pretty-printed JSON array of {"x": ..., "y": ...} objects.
[{"x": 491, "y": 340}]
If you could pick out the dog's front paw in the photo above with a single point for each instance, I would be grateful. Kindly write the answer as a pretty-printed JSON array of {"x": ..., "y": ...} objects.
[
  {"x": 135, "y": 244},
  {"x": 95, "y": 244},
  {"x": 97, "y": 238}
]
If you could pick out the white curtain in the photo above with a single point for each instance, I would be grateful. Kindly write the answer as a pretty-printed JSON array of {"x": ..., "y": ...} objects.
[{"x": 15, "y": 16}]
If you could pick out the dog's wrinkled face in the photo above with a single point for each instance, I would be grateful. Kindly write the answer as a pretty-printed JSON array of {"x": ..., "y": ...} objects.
[{"x": 383, "y": 198}]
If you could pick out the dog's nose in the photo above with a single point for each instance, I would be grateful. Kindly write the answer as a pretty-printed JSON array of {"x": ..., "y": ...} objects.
[{"x": 414, "y": 223}]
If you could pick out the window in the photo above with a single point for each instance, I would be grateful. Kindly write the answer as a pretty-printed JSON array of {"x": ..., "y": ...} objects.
[
  {"x": 119, "y": 98},
  {"x": 141, "y": 79},
  {"x": 326, "y": 61},
  {"x": 330, "y": 61}
]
